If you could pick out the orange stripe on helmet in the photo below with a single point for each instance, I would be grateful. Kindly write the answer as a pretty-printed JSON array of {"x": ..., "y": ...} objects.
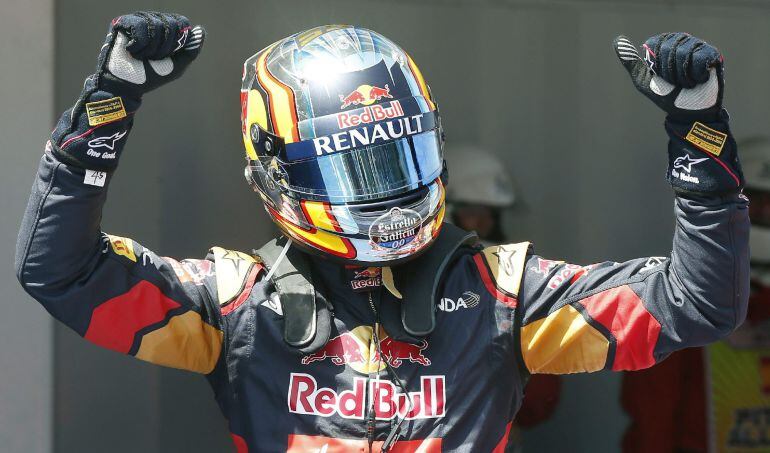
[
  {"x": 320, "y": 239},
  {"x": 282, "y": 103},
  {"x": 439, "y": 220},
  {"x": 421, "y": 82}
]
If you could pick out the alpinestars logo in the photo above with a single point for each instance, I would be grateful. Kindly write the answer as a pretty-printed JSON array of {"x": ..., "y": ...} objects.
[
  {"x": 505, "y": 259},
  {"x": 182, "y": 38},
  {"x": 684, "y": 164},
  {"x": 652, "y": 262},
  {"x": 107, "y": 142},
  {"x": 648, "y": 58}
]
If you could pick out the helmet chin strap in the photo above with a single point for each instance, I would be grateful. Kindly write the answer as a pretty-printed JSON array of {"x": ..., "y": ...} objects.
[{"x": 278, "y": 260}]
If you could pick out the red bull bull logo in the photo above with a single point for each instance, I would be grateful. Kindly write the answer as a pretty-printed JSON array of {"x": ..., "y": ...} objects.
[
  {"x": 308, "y": 398},
  {"x": 358, "y": 350},
  {"x": 342, "y": 349},
  {"x": 369, "y": 272},
  {"x": 365, "y": 95},
  {"x": 396, "y": 352},
  {"x": 366, "y": 279}
]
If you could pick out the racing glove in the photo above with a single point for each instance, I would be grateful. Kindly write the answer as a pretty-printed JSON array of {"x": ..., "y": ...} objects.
[
  {"x": 684, "y": 76},
  {"x": 143, "y": 51}
]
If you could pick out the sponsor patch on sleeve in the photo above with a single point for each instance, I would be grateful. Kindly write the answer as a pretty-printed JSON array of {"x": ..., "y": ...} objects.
[
  {"x": 105, "y": 111},
  {"x": 706, "y": 138},
  {"x": 123, "y": 247}
]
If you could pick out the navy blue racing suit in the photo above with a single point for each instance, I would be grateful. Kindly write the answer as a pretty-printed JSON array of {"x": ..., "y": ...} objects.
[{"x": 504, "y": 313}]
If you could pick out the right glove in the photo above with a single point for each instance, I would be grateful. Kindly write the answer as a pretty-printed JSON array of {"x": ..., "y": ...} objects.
[
  {"x": 143, "y": 51},
  {"x": 684, "y": 76}
]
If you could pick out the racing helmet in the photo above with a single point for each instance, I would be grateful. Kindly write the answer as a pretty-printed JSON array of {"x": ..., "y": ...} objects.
[
  {"x": 344, "y": 145},
  {"x": 755, "y": 160}
]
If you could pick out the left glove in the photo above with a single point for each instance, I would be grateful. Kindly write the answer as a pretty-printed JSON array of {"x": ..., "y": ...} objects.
[
  {"x": 684, "y": 76},
  {"x": 143, "y": 51}
]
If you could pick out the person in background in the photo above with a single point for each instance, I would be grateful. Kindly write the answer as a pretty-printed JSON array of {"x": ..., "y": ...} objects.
[
  {"x": 715, "y": 398},
  {"x": 480, "y": 193},
  {"x": 481, "y": 190}
]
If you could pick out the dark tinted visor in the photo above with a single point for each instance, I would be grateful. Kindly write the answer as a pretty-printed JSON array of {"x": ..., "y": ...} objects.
[{"x": 361, "y": 174}]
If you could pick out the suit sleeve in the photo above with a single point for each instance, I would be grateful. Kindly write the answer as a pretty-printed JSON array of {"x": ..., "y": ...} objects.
[
  {"x": 631, "y": 315},
  {"x": 109, "y": 289}
]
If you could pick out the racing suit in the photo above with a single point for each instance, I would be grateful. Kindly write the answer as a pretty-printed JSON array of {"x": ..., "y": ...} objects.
[
  {"x": 531, "y": 315},
  {"x": 502, "y": 313}
]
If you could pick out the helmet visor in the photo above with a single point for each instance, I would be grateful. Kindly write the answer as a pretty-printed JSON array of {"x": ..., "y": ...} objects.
[{"x": 361, "y": 174}]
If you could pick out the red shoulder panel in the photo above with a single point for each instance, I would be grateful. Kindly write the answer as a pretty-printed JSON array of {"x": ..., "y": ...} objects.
[
  {"x": 635, "y": 330},
  {"x": 114, "y": 323}
]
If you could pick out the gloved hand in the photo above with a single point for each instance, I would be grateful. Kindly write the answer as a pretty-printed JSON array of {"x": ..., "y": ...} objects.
[
  {"x": 684, "y": 76},
  {"x": 143, "y": 51}
]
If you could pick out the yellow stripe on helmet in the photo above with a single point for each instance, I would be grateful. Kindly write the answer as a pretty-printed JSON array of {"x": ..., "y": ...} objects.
[
  {"x": 255, "y": 113},
  {"x": 421, "y": 82},
  {"x": 282, "y": 107}
]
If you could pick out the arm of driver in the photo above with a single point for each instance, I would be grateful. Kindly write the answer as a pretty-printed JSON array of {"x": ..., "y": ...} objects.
[
  {"x": 631, "y": 315},
  {"x": 111, "y": 290}
]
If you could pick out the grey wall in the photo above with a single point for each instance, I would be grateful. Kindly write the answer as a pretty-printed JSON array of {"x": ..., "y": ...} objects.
[
  {"x": 26, "y": 111},
  {"x": 535, "y": 81}
]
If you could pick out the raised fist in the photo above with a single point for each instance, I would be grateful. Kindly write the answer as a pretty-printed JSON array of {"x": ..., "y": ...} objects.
[
  {"x": 680, "y": 73},
  {"x": 145, "y": 50}
]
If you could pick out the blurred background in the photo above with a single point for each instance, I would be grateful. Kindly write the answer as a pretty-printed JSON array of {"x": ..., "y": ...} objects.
[{"x": 536, "y": 83}]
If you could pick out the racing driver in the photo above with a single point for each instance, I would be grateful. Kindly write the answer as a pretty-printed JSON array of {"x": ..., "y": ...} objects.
[{"x": 370, "y": 325}]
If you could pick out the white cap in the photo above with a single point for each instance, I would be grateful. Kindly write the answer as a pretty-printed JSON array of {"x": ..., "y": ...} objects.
[{"x": 477, "y": 176}]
